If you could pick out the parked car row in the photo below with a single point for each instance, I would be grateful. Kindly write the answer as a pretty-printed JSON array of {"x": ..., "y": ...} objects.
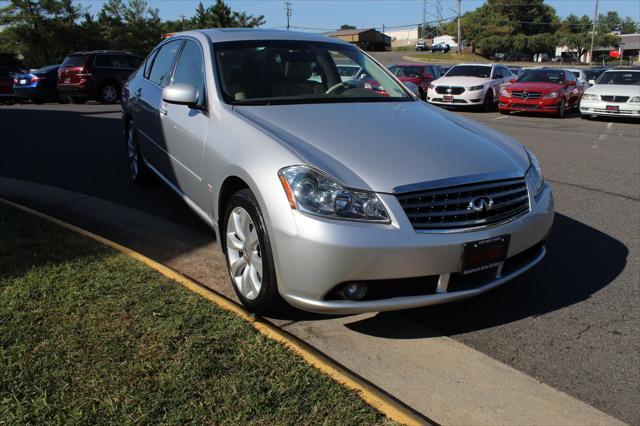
[
  {"x": 545, "y": 90},
  {"x": 82, "y": 76}
]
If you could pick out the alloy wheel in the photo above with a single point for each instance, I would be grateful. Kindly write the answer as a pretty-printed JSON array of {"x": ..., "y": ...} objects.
[
  {"x": 109, "y": 94},
  {"x": 244, "y": 253}
]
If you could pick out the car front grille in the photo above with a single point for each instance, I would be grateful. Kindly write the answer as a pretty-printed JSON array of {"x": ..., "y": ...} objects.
[
  {"x": 451, "y": 208},
  {"x": 527, "y": 95},
  {"x": 449, "y": 90},
  {"x": 609, "y": 98}
]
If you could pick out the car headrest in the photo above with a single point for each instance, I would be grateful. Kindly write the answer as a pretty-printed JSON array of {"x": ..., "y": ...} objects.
[{"x": 297, "y": 70}]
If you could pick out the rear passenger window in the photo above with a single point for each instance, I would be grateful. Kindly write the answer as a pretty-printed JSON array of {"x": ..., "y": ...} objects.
[
  {"x": 103, "y": 61},
  {"x": 149, "y": 63},
  {"x": 120, "y": 61},
  {"x": 190, "y": 69},
  {"x": 163, "y": 63}
]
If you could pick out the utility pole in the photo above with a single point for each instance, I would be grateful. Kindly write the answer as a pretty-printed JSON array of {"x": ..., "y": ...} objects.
[
  {"x": 593, "y": 33},
  {"x": 459, "y": 32},
  {"x": 288, "y": 9},
  {"x": 424, "y": 18}
]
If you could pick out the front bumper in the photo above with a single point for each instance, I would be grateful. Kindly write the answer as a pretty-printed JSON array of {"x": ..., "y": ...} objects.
[
  {"x": 625, "y": 109},
  {"x": 466, "y": 98},
  {"x": 325, "y": 253},
  {"x": 548, "y": 106}
]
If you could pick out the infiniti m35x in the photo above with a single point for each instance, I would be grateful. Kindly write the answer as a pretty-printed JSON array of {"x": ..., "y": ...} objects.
[{"x": 322, "y": 193}]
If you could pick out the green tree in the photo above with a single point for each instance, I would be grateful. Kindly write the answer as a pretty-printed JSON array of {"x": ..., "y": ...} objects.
[
  {"x": 220, "y": 15},
  {"x": 609, "y": 22},
  {"x": 347, "y": 27},
  {"x": 628, "y": 26},
  {"x": 581, "y": 42}
]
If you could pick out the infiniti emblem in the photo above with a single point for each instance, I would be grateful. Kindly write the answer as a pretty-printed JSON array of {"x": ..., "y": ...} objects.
[
  {"x": 449, "y": 90},
  {"x": 481, "y": 204}
]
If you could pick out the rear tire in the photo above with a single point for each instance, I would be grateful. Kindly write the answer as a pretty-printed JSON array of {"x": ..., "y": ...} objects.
[
  {"x": 108, "y": 93},
  {"x": 505, "y": 112},
  {"x": 248, "y": 255},
  {"x": 138, "y": 171}
]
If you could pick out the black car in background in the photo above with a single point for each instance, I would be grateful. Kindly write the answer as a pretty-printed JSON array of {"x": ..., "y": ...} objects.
[
  {"x": 38, "y": 86},
  {"x": 95, "y": 75},
  {"x": 440, "y": 47}
]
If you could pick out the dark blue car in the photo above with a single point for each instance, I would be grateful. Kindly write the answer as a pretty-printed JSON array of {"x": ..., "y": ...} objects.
[{"x": 38, "y": 86}]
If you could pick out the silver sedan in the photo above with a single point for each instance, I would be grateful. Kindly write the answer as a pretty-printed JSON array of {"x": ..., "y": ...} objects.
[{"x": 333, "y": 195}]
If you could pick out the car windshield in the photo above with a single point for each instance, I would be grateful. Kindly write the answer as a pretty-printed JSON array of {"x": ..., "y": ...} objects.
[
  {"x": 73, "y": 61},
  {"x": 576, "y": 74},
  {"x": 347, "y": 70},
  {"x": 267, "y": 72},
  {"x": 469, "y": 71},
  {"x": 405, "y": 71},
  {"x": 542, "y": 76},
  {"x": 626, "y": 78}
]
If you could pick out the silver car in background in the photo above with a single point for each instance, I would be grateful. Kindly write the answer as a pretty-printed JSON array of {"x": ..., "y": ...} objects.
[{"x": 322, "y": 193}]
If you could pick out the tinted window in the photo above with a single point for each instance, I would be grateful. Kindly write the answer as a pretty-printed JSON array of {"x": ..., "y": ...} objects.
[
  {"x": 74, "y": 61},
  {"x": 569, "y": 76},
  {"x": 404, "y": 71},
  {"x": 121, "y": 61},
  {"x": 542, "y": 76},
  {"x": 50, "y": 68},
  {"x": 482, "y": 71},
  {"x": 103, "y": 61},
  {"x": 6, "y": 74},
  {"x": 148, "y": 63},
  {"x": 135, "y": 61},
  {"x": 620, "y": 77},
  {"x": 163, "y": 63},
  {"x": 190, "y": 69}
]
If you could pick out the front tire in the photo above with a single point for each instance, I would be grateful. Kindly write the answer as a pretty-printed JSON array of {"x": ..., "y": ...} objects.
[
  {"x": 488, "y": 103},
  {"x": 248, "y": 254},
  {"x": 561, "y": 108}
]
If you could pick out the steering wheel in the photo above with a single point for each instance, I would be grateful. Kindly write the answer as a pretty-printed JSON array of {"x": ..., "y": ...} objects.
[{"x": 334, "y": 88}]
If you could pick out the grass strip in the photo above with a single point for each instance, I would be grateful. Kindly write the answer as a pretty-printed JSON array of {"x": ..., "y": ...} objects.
[{"x": 89, "y": 335}]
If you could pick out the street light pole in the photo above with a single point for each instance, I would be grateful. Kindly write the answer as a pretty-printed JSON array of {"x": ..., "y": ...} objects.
[
  {"x": 459, "y": 32},
  {"x": 593, "y": 33}
]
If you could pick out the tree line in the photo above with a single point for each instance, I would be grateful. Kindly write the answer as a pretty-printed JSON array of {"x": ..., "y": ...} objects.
[
  {"x": 42, "y": 32},
  {"x": 531, "y": 26}
]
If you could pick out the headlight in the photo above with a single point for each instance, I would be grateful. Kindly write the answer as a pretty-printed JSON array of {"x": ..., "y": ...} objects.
[
  {"x": 475, "y": 88},
  {"x": 534, "y": 175},
  {"x": 315, "y": 193},
  {"x": 635, "y": 100},
  {"x": 504, "y": 92},
  {"x": 590, "y": 97},
  {"x": 432, "y": 86},
  {"x": 551, "y": 95}
]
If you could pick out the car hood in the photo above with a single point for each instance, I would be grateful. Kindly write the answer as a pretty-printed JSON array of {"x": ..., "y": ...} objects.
[
  {"x": 460, "y": 81},
  {"x": 614, "y": 89},
  {"x": 379, "y": 146},
  {"x": 534, "y": 86}
]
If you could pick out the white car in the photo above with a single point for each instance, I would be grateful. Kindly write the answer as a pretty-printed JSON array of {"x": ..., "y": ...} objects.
[
  {"x": 581, "y": 77},
  {"x": 616, "y": 93},
  {"x": 469, "y": 85}
]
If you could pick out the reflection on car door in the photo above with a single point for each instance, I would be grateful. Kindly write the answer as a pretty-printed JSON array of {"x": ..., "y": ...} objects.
[
  {"x": 149, "y": 95},
  {"x": 185, "y": 128}
]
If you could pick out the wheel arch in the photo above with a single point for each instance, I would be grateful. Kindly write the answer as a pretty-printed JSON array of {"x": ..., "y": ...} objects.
[{"x": 230, "y": 186}]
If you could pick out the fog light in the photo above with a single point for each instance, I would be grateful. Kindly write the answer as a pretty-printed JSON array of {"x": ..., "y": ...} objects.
[{"x": 354, "y": 291}]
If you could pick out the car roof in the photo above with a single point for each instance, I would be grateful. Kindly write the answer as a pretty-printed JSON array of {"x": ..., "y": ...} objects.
[
  {"x": 410, "y": 65},
  {"x": 219, "y": 35},
  {"x": 478, "y": 65},
  {"x": 90, "y": 52}
]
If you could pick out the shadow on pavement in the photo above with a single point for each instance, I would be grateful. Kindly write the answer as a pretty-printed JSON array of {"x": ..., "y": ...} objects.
[{"x": 573, "y": 270}]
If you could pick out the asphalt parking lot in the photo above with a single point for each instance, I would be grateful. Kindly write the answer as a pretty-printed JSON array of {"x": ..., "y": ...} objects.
[{"x": 571, "y": 323}]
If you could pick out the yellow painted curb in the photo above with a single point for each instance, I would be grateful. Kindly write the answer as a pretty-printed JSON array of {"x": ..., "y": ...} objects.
[{"x": 369, "y": 393}]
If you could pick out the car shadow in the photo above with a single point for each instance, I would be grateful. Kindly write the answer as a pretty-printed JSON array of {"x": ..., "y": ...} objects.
[{"x": 572, "y": 271}]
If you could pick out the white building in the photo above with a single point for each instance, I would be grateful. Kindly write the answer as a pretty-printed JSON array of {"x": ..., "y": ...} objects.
[{"x": 403, "y": 37}]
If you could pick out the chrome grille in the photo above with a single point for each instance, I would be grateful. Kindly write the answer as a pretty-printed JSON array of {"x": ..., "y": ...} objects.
[
  {"x": 449, "y": 90},
  {"x": 609, "y": 98},
  {"x": 527, "y": 95},
  {"x": 449, "y": 208}
]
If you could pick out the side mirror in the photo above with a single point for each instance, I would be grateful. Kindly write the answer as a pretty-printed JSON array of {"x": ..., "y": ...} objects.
[
  {"x": 513, "y": 80},
  {"x": 413, "y": 88},
  {"x": 180, "y": 94},
  {"x": 571, "y": 82},
  {"x": 591, "y": 82}
]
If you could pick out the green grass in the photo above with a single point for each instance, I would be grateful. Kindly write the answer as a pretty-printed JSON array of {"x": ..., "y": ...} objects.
[{"x": 91, "y": 336}]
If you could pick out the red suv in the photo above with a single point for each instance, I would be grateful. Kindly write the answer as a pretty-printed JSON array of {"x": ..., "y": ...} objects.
[
  {"x": 7, "y": 75},
  {"x": 95, "y": 75},
  {"x": 420, "y": 74}
]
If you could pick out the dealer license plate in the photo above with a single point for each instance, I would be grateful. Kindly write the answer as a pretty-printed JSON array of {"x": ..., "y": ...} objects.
[
  {"x": 484, "y": 254},
  {"x": 447, "y": 98}
]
